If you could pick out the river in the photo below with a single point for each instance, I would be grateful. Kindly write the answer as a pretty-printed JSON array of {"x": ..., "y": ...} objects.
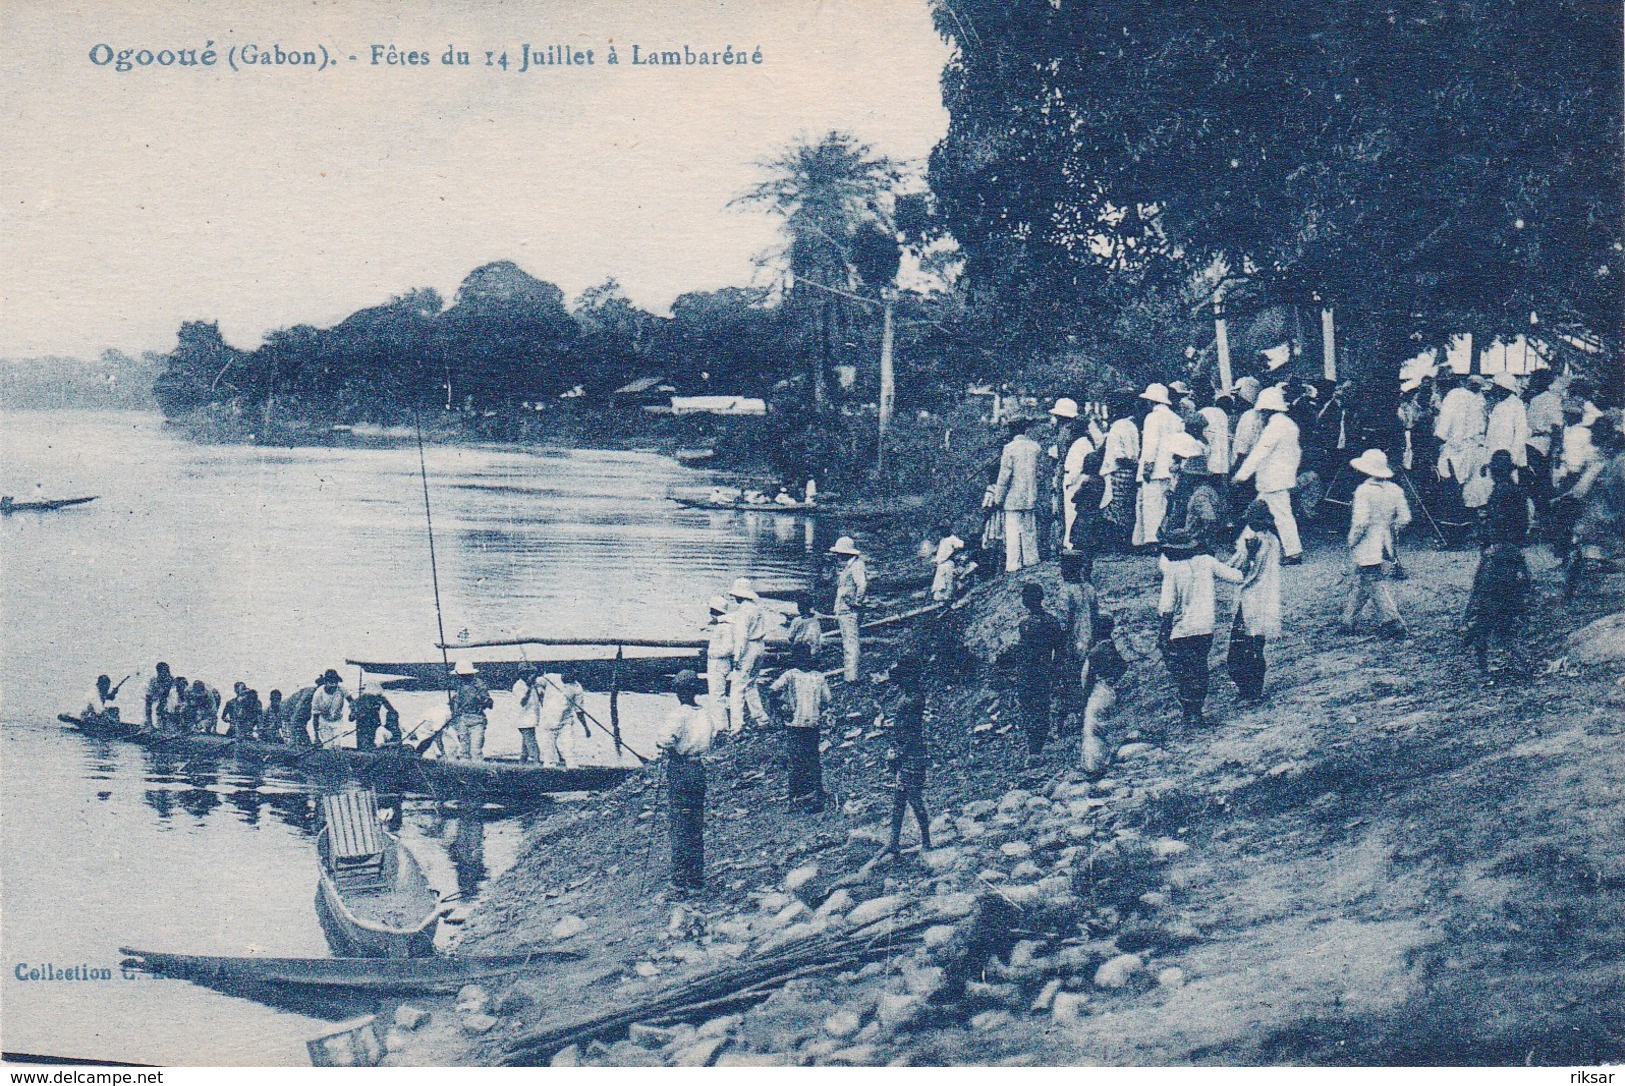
[{"x": 269, "y": 565}]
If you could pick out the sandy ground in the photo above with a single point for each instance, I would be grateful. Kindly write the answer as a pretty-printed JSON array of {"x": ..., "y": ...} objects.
[{"x": 1390, "y": 862}]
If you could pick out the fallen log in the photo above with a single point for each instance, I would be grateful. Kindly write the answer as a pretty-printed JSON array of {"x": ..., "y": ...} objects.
[{"x": 726, "y": 989}]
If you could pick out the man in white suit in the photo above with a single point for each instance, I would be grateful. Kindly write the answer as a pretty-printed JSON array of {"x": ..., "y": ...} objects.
[
  {"x": 1156, "y": 464},
  {"x": 1273, "y": 464},
  {"x": 1016, "y": 492}
]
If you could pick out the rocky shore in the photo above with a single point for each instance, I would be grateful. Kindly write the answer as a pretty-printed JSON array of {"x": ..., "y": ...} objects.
[{"x": 1389, "y": 863}]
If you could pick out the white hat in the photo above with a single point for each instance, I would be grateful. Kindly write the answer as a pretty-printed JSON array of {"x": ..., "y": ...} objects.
[
  {"x": 1272, "y": 399},
  {"x": 1278, "y": 356},
  {"x": 845, "y": 545},
  {"x": 1156, "y": 393},
  {"x": 1181, "y": 388},
  {"x": 1374, "y": 462},
  {"x": 718, "y": 605},
  {"x": 1411, "y": 384},
  {"x": 1508, "y": 382},
  {"x": 1185, "y": 445},
  {"x": 1247, "y": 388},
  {"x": 1065, "y": 408},
  {"x": 464, "y": 667},
  {"x": 741, "y": 589}
]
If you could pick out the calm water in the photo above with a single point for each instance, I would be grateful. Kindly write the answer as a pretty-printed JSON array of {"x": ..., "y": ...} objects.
[{"x": 269, "y": 566}]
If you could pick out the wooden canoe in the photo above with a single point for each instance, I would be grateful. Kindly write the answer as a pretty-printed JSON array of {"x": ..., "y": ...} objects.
[
  {"x": 442, "y": 973},
  {"x": 374, "y": 896},
  {"x": 48, "y": 505},
  {"x": 845, "y": 512},
  {"x": 394, "y": 769},
  {"x": 630, "y": 675}
]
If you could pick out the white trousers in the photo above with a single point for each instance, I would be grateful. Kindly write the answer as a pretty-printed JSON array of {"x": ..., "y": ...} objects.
[
  {"x": 1150, "y": 507},
  {"x": 1020, "y": 539},
  {"x": 745, "y": 696},
  {"x": 716, "y": 694},
  {"x": 851, "y": 649},
  {"x": 1280, "y": 503}
]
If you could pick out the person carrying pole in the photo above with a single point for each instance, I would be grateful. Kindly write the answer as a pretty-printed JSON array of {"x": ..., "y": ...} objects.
[
  {"x": 469, "y": 701},
  {"x": 749, "y": 642},
  {"x": 685, "y": 739},
  {"x": 851, "y": 592},
  {"x": 371, "y": 711},
  {"x": 1378, "y": 513},
  {"x": 529, "y": 717}
]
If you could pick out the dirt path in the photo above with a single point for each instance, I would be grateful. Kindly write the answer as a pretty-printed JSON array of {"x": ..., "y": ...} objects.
[{"x": 1388, "y": 863}]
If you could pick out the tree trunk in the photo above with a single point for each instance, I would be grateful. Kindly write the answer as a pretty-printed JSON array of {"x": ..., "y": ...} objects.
[{"x": 887, "y": 379}]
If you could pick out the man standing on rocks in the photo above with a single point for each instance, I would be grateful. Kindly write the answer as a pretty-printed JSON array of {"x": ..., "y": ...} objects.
[
  {"x": 907, "y": 760},
  {"x": 1016, "y": 492},
  {"x": 685, "y": 739},
  {"x": 808, "y": 694},
  {"x": 1040, "y": 650},
  {"x": 1273, "y": 465},
  {"x": 750, "y": 641},
  {"x": 851, "y": 591},
  {"x": 1156, "y": 464}
]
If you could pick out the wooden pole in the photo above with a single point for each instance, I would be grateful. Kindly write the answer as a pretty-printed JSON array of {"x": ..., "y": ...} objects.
[
  {"x": 615, "y": 699},
  {"x": 1222, "y": 341},
  {"x": 605, "y": 642},
  {"x": 1328, "y": 344},
  {"x": 888, "y": 379}
]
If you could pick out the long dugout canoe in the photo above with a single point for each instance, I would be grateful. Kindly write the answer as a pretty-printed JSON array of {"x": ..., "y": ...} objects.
[
  {"x": 631, "y": 675},
  {"x": 391, "y": 769},
  {"x": 439, "y": 973}
]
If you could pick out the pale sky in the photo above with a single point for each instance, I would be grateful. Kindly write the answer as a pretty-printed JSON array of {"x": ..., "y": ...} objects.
[{"x": 276, "y": 195}]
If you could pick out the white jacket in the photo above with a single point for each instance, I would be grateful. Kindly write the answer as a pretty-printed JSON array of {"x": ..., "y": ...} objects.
[
  {"x": 1380, "y": 511},
  {"x": 1216, "y": 434},
  {"x": 1160, "y": 425},
  {"x": 1509, "y": 429},
  {"x": 1274, "y": 460}
]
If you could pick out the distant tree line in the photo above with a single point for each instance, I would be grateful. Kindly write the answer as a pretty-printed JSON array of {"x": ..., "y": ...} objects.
[{"x": 115, "y": 381}]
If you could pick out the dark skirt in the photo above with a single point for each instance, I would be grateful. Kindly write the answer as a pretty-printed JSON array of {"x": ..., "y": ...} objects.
[
  {"x": 1500, "y": 596},
  {"x": 1121, "y": 510},
  {"x": 805, "y": 771}
]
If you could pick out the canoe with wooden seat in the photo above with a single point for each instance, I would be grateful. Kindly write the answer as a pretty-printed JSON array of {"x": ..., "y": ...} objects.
[{"x": 374, "y": 894}]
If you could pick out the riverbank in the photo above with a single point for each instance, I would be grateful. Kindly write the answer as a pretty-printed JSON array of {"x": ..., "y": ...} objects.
[{"x": 1389, "y": 863}]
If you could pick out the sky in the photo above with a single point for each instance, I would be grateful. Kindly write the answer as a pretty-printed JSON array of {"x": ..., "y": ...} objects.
[{"x": 278, "y": 195}]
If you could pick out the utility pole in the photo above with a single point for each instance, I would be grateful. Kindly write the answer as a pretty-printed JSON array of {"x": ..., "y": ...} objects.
[
  {"x": 1221, "y": 333},
  {"x": 888, "y": 378}
]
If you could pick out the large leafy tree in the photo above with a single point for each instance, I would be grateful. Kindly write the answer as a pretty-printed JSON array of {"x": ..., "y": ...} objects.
[
  {"x": 1425, "y": 166},
  {"x": 823, "y": 192}
]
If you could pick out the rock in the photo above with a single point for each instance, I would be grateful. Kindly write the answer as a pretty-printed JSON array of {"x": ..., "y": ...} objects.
[
  {"x": 1600, "y": 642},
  {"x": 1166, "y": 848},
  {"x": 1013, "y": 800},
  {"x": 855, "y": 1056},
  {"x": 868, "y": 835},
  {"x": 627, "y": 1054},
  {"x": 817, "y": 1050},
  {"x": 646, "y": 969},
  {"x": 988, "y": 1021},
  {"x": 842, "y": 1024},
  {"x": 980, "y": 808},
  {"x": 943, "y": 859},
  {"x": 678, "y": 920},
  {"x": 950, "y": 906},
  {"x": 1046, "y": 996},
  {"x": 1023, "y": 953},
  {"x": 396, "y": 1040},
  {"x": 1129, "y": 751},
  {"x": 699, "y": 1054},
  {"x": 1000, "y": 995},
  {"x": 1172, "y": 977},
  {"x": 1080, "y": 831},
  {"x": 834, "y": 905},
  {"x": 799, "y": 877},
  {"x": 568, "y": 1056},
  {"x": 472, "y": 999},
  {"x": 720, "y": 1027},
  {"x": 476, "y": 1024},
  {"x": 1068, "y": 1007},
  {"x": 790, "y": 914},
  {"x": 924, "y": 981},
  {"x": 898, "y": 1012},
  {"x": 410, "y": 1017},
  {"x": 1016, "y": 850},
  {"x": 1154, "y": 899},
  {"x": 792, "y": 934},
  {"x": 970, "y": 829},
  {"x": 938, "y": 935},
  {"x": 735, "y": 930},
  {"x": 1026, "y": 871},
  {"x": 773, "y": 901},
  {"x": 517, "y": 996},
  {"x": 567, "y": 927},
  {"x": 941, "y": 824},
  {"x": 750, "y": 1059},
  {"x": 876, "y": 908},
  {"x": 1021, "y": 895},
  {"x": 644, "y": 1035},
  {"x": 1116, "y": 972}
]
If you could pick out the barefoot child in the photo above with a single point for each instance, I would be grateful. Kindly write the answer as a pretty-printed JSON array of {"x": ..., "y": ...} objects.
[
  {"x": 1103, "y": 672},
  {"x": 907, "y": 759}
]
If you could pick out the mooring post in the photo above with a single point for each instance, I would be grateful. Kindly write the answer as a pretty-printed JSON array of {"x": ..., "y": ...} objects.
[{"x": 615, "y": 698}]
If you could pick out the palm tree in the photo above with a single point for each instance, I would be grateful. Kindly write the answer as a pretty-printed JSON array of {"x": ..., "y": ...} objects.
[{"x": 823, "y": 191}]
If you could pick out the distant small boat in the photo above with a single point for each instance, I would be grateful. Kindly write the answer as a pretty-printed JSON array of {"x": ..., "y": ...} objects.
[
  {"x": 694, "y": 456},
  {"x": 751, "y": 507},
  {"x": 375, "y": 896},
  {"x": 45, "y": 505}
]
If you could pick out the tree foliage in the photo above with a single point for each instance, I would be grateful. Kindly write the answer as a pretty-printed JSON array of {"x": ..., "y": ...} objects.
[{"x": 1426, "y": 166}]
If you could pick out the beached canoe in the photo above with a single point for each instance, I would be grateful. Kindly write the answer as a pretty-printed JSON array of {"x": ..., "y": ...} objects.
[
  {"x": 629, "y": 675},
  {"x": 393, "y": 769},
  {"x": 441, "y": 973},
  {"x": 47, "y": 505},
  {"x": 374, "y": 898}
]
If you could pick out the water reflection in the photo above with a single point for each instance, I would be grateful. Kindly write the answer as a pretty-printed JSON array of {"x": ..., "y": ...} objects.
[{"x": 467, "y": 850}]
